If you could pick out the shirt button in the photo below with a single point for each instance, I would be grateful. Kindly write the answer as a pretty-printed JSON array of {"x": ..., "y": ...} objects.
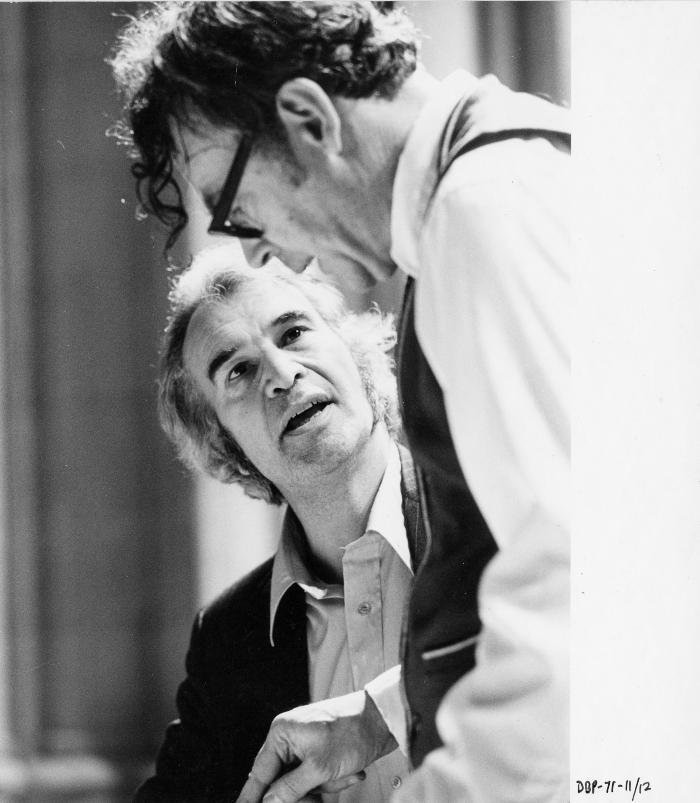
[
  {"x": 364, "y": 608},
  {"x": 396, "y": 781}
]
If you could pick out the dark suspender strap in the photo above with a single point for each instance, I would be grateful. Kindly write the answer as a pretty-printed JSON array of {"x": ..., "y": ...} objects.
[{"x": 456, "y": 138}]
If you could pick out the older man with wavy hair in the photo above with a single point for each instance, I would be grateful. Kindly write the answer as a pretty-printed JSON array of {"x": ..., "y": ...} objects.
[{"x": 268, "y": 381}]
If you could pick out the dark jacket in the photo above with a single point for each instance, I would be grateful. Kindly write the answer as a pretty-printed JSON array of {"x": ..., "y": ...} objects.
[{"x": 237, "y": 682}]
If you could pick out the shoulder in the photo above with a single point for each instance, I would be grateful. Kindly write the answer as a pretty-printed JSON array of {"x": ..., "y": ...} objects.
[
  {"x": 244, "y": 605},
  {"x": 257, "y": 581},
  {"x": 506, "y": 175},
  {"x": 499, "y": 221}
]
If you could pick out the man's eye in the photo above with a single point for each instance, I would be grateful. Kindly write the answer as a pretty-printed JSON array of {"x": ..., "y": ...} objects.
[
  {"x": 293, "y": 334},
  {"x": 239, "y": 218},
  {"x": 237, "y": 370}
]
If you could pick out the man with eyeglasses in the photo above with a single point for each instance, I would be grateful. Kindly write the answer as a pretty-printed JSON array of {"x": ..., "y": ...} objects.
[{"x": 311, "y": 130}]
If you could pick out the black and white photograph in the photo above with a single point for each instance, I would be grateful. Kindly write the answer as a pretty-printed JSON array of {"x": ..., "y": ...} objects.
[{"x": 350, "y": 401}]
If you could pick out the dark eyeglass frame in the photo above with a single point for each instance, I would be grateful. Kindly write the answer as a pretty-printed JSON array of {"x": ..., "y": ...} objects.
[{"x": 220, "y": 224}]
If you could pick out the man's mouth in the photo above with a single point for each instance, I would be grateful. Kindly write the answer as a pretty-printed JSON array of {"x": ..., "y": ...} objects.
[{"x": 305, "y": 415}]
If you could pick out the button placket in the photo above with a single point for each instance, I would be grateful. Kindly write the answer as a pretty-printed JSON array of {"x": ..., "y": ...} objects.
[{"x": 363, "y": 601}]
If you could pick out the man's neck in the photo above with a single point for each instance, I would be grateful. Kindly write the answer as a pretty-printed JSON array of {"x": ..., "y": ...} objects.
[
  {"x": 335, "y": 514},
  {"x": 375, "y": 131}
]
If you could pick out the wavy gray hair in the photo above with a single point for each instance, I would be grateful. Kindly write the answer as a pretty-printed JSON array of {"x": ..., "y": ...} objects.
[{"x": 188, "y": 419}]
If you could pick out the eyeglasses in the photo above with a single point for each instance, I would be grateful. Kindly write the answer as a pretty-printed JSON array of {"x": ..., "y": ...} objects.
[{"x": 220, "y": 223}]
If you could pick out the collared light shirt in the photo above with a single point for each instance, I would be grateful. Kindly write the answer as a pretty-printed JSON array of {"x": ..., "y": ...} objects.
[
  {"x": 491, "y": 257},
  {"x": 354, "y": 629}
]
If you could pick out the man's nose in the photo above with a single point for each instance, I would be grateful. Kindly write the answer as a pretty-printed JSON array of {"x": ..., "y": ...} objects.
[
  {"x": 256, "y": 252},
  {"x": 259, "y": 252},
  {"x": 280, "y": 372}
]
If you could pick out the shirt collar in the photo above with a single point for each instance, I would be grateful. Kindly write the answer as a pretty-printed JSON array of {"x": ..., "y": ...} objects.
[
  {"x": 288, "y": 566},
  {"x": 386, "y": 513},
  {"x": 417, "y": 167},
  {"x": 385, "y": 517}
]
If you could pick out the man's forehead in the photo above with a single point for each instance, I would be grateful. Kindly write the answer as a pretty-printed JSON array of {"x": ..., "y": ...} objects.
[
  {"x": 200, "y": 138},
  {"x": 254, "y": 306},
  {"x": 266, "y": 296}
]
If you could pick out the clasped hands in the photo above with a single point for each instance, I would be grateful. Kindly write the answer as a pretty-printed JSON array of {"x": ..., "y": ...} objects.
[{"x": 321, "y": 747}]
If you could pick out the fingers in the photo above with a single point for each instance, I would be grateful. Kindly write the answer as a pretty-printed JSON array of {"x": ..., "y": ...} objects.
[
  {"x": 292, "y": 787},
  {"x": 342, "y": 783},
  {"x": 252, "y": 791},
  {"x": 266, "y": 767}
]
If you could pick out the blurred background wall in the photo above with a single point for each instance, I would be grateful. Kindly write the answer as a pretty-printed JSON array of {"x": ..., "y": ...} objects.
[{"x": 107, "y": 548}]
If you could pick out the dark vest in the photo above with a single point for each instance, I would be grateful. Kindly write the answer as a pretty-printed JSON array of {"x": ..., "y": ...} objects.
[{"x": 443, "y": 618}]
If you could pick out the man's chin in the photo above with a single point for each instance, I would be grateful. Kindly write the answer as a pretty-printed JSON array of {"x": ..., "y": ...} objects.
[
  {"x": 348, "y": 276},
  {"x": 351, "y": 277},
  {"x": 298, "y": 264}
]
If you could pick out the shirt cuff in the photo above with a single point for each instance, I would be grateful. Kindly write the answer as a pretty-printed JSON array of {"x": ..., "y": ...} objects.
[{"x": 385, "y": 691}]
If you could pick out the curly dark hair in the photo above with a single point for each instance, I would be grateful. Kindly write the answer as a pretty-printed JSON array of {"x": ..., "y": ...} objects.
[{"x": 223, "y": 62}]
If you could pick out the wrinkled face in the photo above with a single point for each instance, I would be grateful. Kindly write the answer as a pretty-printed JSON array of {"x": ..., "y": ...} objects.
[
  {"x": 280, "y": 381},
  {"x": 302, "y": 212}
]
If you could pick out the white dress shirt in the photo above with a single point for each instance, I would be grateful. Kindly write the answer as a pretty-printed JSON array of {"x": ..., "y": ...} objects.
[
  {"x": 491, "y": 257},
  {"x": 354, "y": 629}
]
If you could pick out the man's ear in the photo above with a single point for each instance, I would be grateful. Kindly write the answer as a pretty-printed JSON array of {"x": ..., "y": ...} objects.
[{"x": 309, "y": 118}]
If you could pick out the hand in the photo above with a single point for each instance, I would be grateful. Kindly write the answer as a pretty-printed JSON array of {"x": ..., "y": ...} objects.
[{"x": 328, "y": 743}]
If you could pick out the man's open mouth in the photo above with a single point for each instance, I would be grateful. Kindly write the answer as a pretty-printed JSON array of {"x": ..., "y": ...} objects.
[{"x": 305, "y": 415}]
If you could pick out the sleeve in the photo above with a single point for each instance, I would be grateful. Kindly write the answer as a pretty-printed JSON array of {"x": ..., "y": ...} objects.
[
  {"x": 495, "y": 266},
  {"x": 386, "y": 692},
  {"x": 187, "y": 764}
]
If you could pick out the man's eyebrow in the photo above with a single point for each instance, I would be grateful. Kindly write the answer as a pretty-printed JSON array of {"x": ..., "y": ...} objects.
[
  {"x": 292, "y": 315},
  {"x": 219, "y": 360}
]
